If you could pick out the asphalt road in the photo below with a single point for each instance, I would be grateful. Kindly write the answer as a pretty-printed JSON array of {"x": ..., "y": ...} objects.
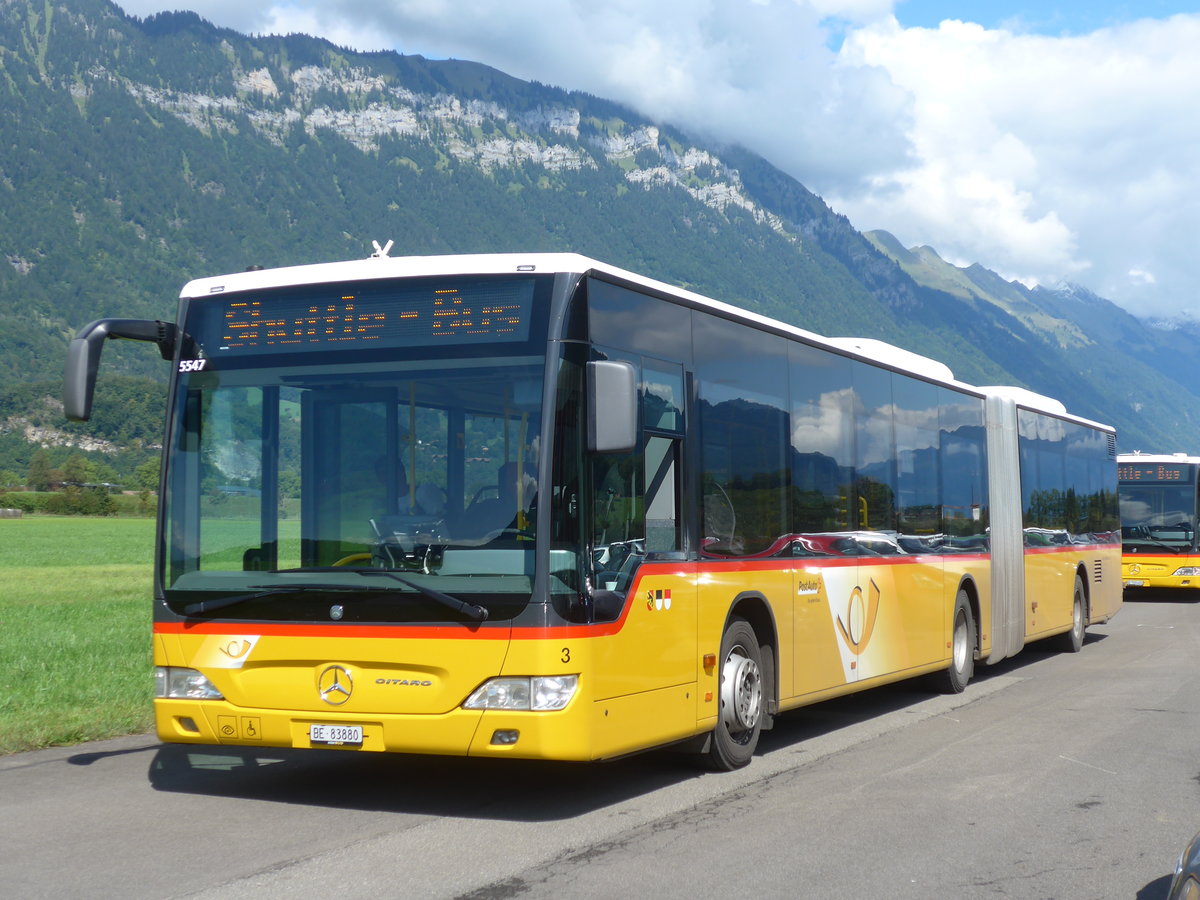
[{"x": 1052, "y": 776}]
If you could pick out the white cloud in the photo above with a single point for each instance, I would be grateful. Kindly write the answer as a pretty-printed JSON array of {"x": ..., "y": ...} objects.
[{"x": 1045, "y": 158}]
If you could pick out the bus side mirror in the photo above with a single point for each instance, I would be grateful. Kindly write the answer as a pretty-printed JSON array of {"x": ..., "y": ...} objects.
[
  {"x": 83, "y": 357},
  {"x": 612, "y": 406}
]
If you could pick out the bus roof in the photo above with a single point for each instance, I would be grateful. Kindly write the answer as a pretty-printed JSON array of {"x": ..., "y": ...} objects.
[
  {"x": 1139, "y": 456},
  {"x": 1027, "y": 398},
  {"x": 381, "y": 265}
]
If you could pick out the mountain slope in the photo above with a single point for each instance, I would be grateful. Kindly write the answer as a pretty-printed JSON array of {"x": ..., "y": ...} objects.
[{"x": 142, "y": 153}]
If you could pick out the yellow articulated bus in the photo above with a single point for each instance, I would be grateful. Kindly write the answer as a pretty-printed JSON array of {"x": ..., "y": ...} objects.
[
  {"x": 536, "y": 506},
  {"x": 1158, "y": 520}
]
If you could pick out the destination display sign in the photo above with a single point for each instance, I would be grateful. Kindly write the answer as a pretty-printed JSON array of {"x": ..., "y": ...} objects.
[
  {"x": 391, "y": 314},
  {"x": 1150, "y": 472}
]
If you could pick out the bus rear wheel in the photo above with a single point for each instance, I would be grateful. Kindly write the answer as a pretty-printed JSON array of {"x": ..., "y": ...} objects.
[
  {"x": 1072, "y": 641},
  {"x": 955, "y": 679},
  {"x": 740, "y": 719}
]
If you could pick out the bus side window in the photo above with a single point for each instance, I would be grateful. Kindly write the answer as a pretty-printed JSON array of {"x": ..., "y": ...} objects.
[
  {"x": 617, "y": 509},
  {"x": 618, "y": 534},
  {"x": 662, "y": 494},
  {"x": 663, "y": 394}
]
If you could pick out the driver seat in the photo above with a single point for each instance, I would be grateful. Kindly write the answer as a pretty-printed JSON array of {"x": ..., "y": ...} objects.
[{"x": 489, "y": 514}]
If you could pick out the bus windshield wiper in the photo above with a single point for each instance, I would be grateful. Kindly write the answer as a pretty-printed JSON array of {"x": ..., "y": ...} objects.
[
  {"x": 234, "y": 599},
  {"x": 478, "y": 613},
  {"x": 1155, "y": 542},
  {"x": 264, "y": 590}
]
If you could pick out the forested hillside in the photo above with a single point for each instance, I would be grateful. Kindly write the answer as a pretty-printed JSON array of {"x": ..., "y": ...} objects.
[{"x": 140, "y": 154}]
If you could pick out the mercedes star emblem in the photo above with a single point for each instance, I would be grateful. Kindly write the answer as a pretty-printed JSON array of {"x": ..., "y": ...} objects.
[{"x": 335, "y": 685}]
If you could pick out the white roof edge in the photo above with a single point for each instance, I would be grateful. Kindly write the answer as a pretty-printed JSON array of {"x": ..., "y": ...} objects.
[
  {"x": 1139, "y": 456},
  {"x": 456, "y": 264},
  {"x": 1040, "y": 403},
  {"x": 1025, "y": 397},
  {"x": 382, "y": 266},
  {"x": 897, "y": 357},
  {"x": 505, "y": 263},
  {"x": 389, "y": 267}
]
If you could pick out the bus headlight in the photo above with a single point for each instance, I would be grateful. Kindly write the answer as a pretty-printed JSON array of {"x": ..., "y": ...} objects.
[
  {"x": 541, "y": 693},
  {"x": 1188, "y": 571},
  {"x": 174, "y": 683}
]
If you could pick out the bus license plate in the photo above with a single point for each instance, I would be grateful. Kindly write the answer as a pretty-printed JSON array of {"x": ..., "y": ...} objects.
[
  {"x": 335, "y": 735},
  {"x": 1135, "y": 584}
]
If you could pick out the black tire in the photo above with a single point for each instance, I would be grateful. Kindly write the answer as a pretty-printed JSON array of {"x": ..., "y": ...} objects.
[
  {"x": 1072, "y": 641},
  {"x": 742, "y": 699},
  {"x": 955, "y": 679}
]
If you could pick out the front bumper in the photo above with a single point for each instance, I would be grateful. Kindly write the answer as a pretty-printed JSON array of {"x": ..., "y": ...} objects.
[{"x": 539, "y": 735}]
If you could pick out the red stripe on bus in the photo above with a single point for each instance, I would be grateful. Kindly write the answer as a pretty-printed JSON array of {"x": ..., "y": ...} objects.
[
  {"x": 298, "y": 629},
  {"x": 557, "y": 632},
  {"x": 1069, "y": 548}
]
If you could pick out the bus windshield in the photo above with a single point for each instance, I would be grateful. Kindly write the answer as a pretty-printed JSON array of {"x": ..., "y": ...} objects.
[
  {"x": 293, "y": 475},
  {"x": 1158, "y": 517}
]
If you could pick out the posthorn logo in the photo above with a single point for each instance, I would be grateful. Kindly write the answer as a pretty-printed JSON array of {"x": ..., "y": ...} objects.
[{"x": 858, "y": 623}]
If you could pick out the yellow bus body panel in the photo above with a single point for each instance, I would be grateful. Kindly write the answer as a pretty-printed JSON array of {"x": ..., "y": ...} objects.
[
  {"x": 405, "y": 686},
  {"x": 1050, "y": 575},
  {"x": 648, "y": 679},
  {"x": 1049, "y": 592},
  {"x": 1150, "y": 570}
]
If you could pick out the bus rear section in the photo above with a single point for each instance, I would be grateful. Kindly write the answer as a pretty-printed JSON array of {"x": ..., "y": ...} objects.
[{"x": 1070, "y": 523}]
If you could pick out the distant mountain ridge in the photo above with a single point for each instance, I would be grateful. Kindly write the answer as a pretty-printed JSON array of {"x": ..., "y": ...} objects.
[
  {"x": 926, "y": 267},
  {"x": 143, "y": 153},
  {"x": 1084, "y": 326}
]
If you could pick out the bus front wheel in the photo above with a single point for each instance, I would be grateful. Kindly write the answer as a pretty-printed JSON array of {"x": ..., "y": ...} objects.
[{"x": 741, "y": 699}]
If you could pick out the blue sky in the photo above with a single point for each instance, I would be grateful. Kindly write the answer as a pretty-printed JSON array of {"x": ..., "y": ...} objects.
[
  {"x": 1079, "y": 17},
  {"x": 1052, "y": 142}
]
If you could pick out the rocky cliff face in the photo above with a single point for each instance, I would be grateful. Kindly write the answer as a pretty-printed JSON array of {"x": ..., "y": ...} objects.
[{"x": 371, "y": 108}]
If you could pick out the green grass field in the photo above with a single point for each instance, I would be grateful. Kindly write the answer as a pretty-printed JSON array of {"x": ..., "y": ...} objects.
[{"x": 74, "y": 630}]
